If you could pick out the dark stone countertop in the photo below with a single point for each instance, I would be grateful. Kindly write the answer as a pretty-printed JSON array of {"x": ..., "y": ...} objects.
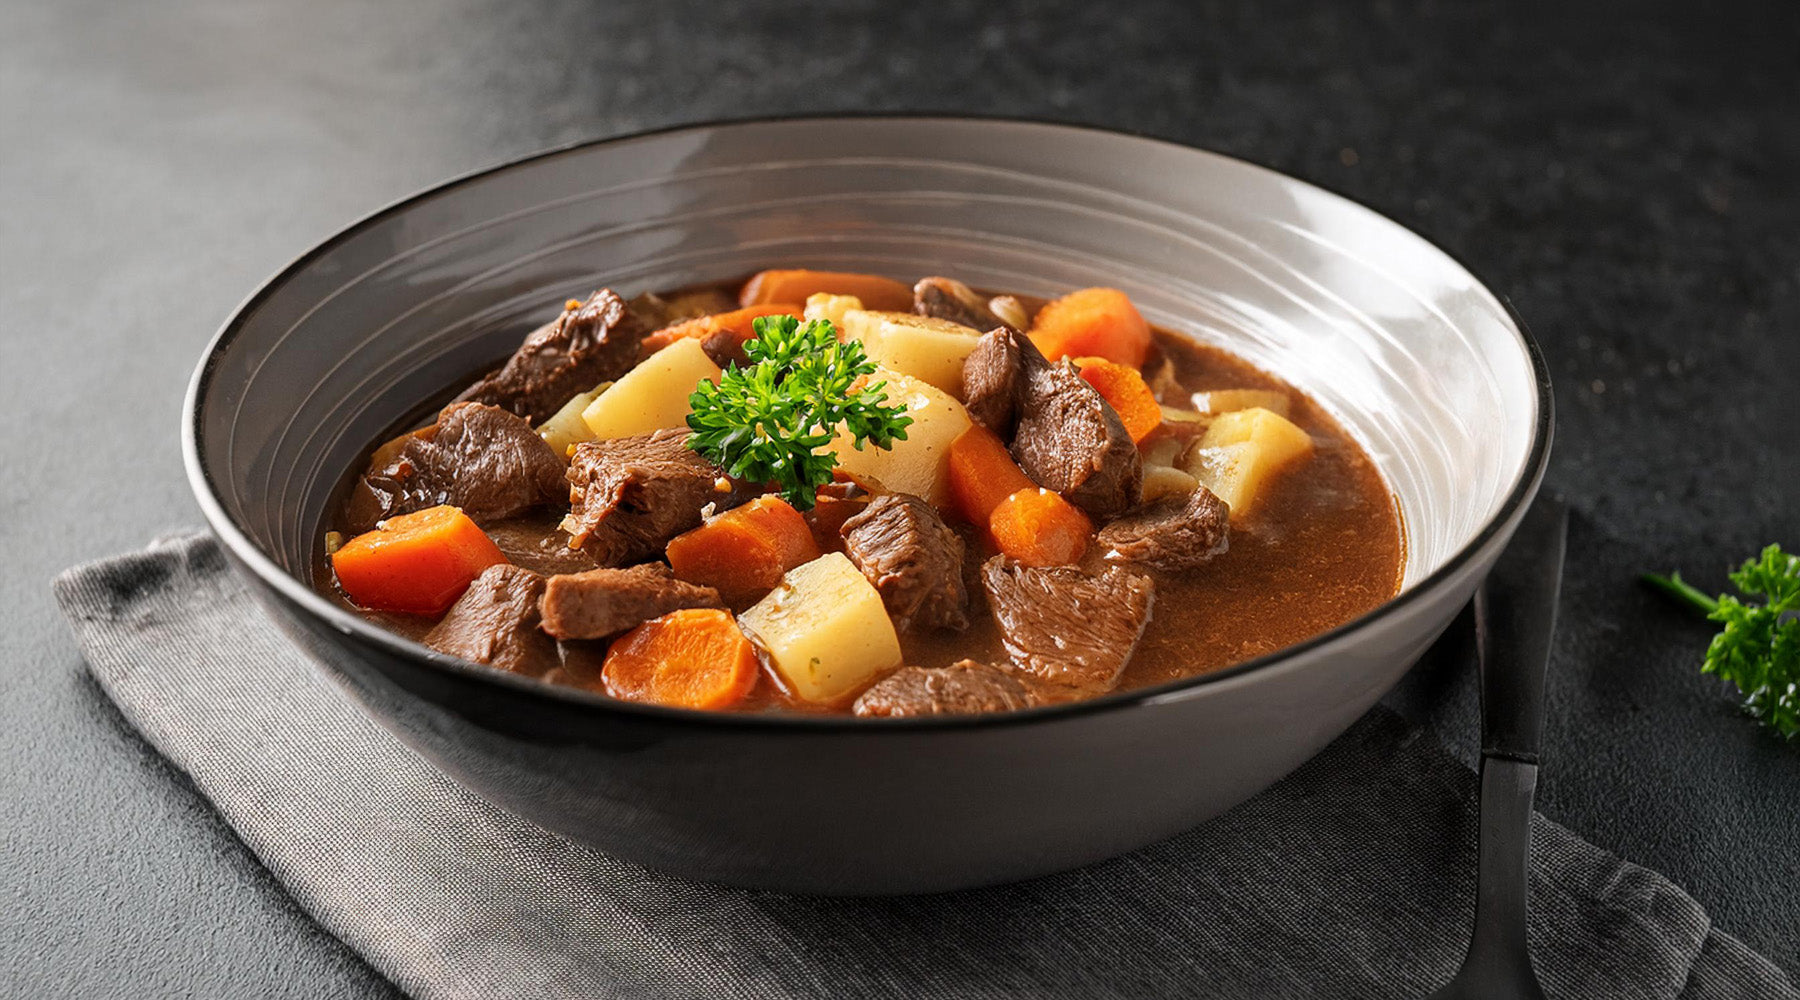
[{"x": 1627, "y": 181}]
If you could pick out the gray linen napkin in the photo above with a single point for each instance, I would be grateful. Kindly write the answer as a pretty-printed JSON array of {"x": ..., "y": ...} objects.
[{"x": 1351, "y": 878}]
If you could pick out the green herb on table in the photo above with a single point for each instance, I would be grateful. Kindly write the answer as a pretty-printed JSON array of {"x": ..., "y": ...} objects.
[
  {"x": 767, "y": 422},
  {"x": 1758, "y": 648}
]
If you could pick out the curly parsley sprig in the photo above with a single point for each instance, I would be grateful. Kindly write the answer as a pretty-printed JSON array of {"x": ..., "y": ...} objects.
[
  {"x": 1758, "y": 647},
  {"x": 767, "y": 423}
]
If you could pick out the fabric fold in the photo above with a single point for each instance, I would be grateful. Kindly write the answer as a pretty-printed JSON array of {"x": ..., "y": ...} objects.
[{"x": 1353, "y": 877}]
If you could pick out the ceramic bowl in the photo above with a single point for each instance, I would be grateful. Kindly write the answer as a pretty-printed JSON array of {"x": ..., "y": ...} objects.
[{"x": 1422, "y": 364}]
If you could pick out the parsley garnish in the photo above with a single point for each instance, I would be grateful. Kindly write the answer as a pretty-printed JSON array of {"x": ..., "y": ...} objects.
[
  {"x": 766, "y": 423},
  {"x": 1758, "y": 649}
]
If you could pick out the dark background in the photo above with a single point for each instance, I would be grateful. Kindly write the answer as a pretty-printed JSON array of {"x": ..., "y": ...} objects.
[{"x": 1625, "y": 174}]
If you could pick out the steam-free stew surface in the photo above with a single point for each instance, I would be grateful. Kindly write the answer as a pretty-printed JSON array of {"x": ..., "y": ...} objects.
[{"x": 1322, "y": 546}]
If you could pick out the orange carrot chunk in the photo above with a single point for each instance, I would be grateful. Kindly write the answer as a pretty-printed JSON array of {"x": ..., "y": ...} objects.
[
  {"x": 737, "y": 322},
  {"x": 1040, "y": 528},
  {"x": 695, "y": 658},
  {"x": 982, "y": 474},
  {"x": 419, "y": 563},
  {"x": 794, "y": 285},
  {"x": 1126, "y": 390},
  {"x": 1100, "y": 322},
  {"x": 744, "y": 551}
]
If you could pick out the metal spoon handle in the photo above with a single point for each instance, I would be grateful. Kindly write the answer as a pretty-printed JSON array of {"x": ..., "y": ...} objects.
[
  {"x": 1515, "y": 619},
  {"x": 1499, "y": 955}
]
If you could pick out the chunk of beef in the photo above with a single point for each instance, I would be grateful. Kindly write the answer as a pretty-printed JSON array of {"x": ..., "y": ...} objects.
[
  {"x": 1174, "y": 533},
  {"x": 975, "y": 542},
  {"x": 1070, "y": 440},
  {"x": 947, "y": 298},
  {"x": 589, "y": 343},
  {"x": 631, "y": 495},
  {"x": 1067, "y": 627},
  {"x": 601, "y": 602},
  {"x": 964, "y": 688},
  {"x": 1064, "y": 434},
  {"x": 480, "y": 458},
  {"x": 913, "y": 558},
  {"x": 991, "y": 379},
  {"x": 725, "y": 348},
  {"x": 496, "y": 622}
]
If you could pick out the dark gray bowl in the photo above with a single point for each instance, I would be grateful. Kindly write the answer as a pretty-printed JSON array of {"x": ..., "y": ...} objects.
[{"x": 1420, "y": 361}]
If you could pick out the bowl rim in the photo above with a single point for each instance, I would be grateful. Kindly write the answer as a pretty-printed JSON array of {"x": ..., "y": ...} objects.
[{"x": 1524, "y": 487}]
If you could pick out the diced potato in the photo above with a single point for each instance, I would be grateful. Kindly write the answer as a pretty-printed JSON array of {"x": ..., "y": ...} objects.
[
  {"x": 824, "y": 305},
  {"x": 1241, "y": 451},
  {"x": 924, "y": 347},
  {"x": 1166, "y": 480},
  {"x": 1260, "y": 426},
  {"x": 653, "y": 395},
  {"x": 565, "y": 429},
  {"x": 824, "y": 629},
  {"x": 920, "y": 464},
  {"x": 1223, "y": 470},
  {"x": 1162, "y": 450},
  {"x": 1229, "y": 400}
]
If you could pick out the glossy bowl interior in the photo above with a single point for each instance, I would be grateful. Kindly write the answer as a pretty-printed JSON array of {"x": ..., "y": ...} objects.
[{"x": 1411, "y": 353}]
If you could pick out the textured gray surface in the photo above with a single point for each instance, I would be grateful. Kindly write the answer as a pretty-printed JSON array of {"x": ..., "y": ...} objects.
[{"x": 1628, "y": 183}]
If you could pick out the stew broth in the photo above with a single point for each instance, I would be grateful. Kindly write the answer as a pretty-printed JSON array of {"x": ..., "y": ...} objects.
[{"x": 1323, "y": 545}]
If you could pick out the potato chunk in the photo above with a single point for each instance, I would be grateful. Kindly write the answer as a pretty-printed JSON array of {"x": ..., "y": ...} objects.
[
  {"x": 824, "y": 629},
  {"x": 1229, "y": 400},
  {"x": 920, "y": 464},
  {"x": 1166, "y": 480},
  {"x": 925, "y": 347},
  {"x": 653, "y": 395},
  {"x": 1240, "y": 453},
  {"x": 565, "y": 429},
  {"x": 824, "y": 305}
]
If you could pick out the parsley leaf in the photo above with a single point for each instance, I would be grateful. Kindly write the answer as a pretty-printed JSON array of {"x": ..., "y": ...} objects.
[
  {"x": 1758, "y": 647},
  {"x": 767, "y": 422}
]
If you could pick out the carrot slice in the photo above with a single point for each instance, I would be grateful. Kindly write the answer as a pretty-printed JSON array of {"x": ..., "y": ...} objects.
[
  {"x": 744, "y": 551},
  {"x": 419, "y": 563},
  {"x": 982, "y": 474},
  {"x": 1100, "y": 322},
  {"x": 695, "y": 658},
  {"x": 1128, "y": 393},
  {"x": 794, "y": 285},
  {"x": 1040, "y": 528},
  {"x": 738, "y": 322}
]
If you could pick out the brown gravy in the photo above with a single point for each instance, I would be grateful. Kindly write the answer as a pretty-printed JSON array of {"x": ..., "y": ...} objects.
[{"x": 1325, "y": 546}]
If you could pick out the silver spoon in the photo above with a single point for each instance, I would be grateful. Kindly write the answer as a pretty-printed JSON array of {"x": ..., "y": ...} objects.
[{"x": 1515, "y": 617}]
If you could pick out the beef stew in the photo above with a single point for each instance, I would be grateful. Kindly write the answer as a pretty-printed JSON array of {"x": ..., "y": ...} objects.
[{"x": 985, "y": 504}]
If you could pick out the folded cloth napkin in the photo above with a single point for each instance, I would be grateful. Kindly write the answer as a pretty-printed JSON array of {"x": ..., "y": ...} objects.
[{"x": 1351, "y": 878}]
